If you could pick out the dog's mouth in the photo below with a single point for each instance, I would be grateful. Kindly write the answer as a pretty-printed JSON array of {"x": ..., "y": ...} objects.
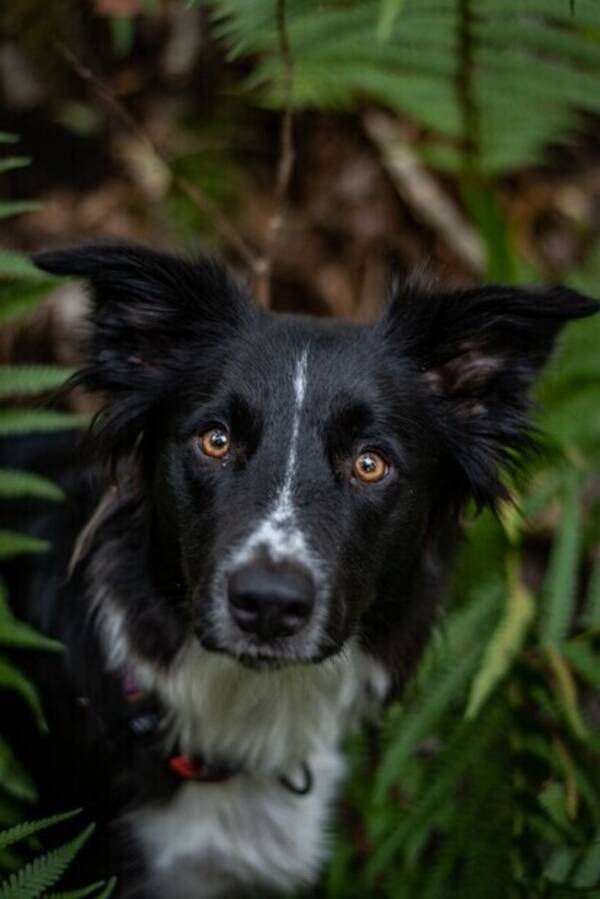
[{"x": 262, "y": 659}]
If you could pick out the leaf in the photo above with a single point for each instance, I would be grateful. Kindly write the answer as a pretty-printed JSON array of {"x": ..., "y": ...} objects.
[
  {"x": 15, "y": 483},
  {"x": 17, "y": 300},
  {"x": 43, "y": 872},
  {"x": 584, "y": 660},
  {"x": 31, "y": 421},
  {"x": 17, "y": 207},
  {"x": 78, "y": 894},
  {"x": 567, "y": 692},
  {"x": 558, "y": 592},
  {"x": 13, "y": 777},
  {"x": 591, "y": 610},
  {"x": 20, "y": 635},
  {"x": 13, "y": 679},
  {"x": 31, "y": 379},
  {"x": 28, "y": 828},
  {"x": 7, "y": 163},
  {"x": 443, "y": 686},
  {"x": 16, "y": 266},
  {"x": 14, "y": 544},
  {"x": 390, "y": 9},
  {"x": 109, "y": 889},
  {"x": 506, "y": 642}
]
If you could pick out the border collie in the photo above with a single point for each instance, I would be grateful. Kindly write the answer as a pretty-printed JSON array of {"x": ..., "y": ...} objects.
[{"x": 254, "y": 560}]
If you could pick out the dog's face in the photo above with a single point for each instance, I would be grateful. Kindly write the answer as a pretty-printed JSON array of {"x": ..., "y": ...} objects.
[
  {"x": 298, "y": 470},
  {"x": 298, "y": 467}
]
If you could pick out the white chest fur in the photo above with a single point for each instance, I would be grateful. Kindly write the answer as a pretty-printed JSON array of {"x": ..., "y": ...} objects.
[{"x": 210, "y": 840}]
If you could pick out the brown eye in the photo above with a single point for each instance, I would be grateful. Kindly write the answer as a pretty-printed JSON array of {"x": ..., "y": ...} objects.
[
  {"x": 369, "y": 467},
  {"x": 215, "y": 443}
]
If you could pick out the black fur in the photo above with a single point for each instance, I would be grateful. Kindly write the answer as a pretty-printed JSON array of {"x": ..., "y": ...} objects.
[{"x": 439, "y": 387}]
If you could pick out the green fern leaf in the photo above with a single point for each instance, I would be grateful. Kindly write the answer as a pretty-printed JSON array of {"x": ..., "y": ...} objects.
[
  {"x": 15, "y": 266},
  {"x": 81, "y": 893},
  {"x": 17, "y": 207},
  {"x": 13, "y": 679},
  {"x": 13, "y": 777},
  {"x": 28, "y": 828},
  {"x": 591, "y": 611},
  {"x": 390, "y": 9},
  {"x": 443, "y": 686},
  {"x": 108, "y": 890},
  {"x": 13, "y": 162},
  {"x": 31, "y": 379},
  {"x": 13, "y": 544},
  {"x": 42, "y": 873},
  {"x": 18, "y": 299},
  {"x": 504, "y": 646},
  {"x": 15, "y": 483},
  {"x": 30, "y": 421},
  {"x": 584, "y": 660},
  {"x": 20, "y": 635},
  {"x": 558, "y": 594}
]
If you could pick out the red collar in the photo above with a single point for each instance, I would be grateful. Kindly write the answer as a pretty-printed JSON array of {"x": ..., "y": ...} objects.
[{"x": 145, "y": 722}]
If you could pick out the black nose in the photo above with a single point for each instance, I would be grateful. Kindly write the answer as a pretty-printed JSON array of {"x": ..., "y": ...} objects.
[{"x": 271, "y": 602}]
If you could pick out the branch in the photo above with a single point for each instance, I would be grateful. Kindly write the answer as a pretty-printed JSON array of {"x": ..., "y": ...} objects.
[
  {"x": 286, "y": 159},
  {"x": 224, "y": 227},
  {"x": 260, "y": 265}
]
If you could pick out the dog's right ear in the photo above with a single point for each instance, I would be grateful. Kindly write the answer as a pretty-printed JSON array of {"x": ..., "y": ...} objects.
[
  {"x": 152, "y": 312},
  {"x": 146, "y": 305}
]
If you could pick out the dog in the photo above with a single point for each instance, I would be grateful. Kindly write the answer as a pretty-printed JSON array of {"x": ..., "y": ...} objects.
[{"x": 253, "y": 561}]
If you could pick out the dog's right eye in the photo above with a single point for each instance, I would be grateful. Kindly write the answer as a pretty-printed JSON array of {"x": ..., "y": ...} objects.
[{"x": 215, "y": 443}]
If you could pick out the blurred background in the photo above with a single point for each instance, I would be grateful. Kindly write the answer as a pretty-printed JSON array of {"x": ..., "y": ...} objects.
[{"x": 314, "y": 144}]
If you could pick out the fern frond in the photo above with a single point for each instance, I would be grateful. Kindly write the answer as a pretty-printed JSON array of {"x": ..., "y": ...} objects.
[
  {"x": 15, "y": 266},
  {"x": 14, "y": 544},
  {"x": 31, "y": 379},
  {"x": 13, "y": 777},
  {"x": 505, "y": 643},
  {"x": 30, "y": 421},
  {"x": 558, "y": 594},
  {"x": 13, "y": 679},
  {"x": 8, "y": 163},
  {"x": 17, "y": 300},
  {"x": 109, "y": 889},
  {"x": 443, "y": 685},
  {"x": 591, "y": 610},
  {"x": 17, "y": 207},
  {"x": 532, "y": 70},
  {"x": 18, "y": 634},
  {"x": 15, "y": 483},
  {"x": 43, "y": 872},
  {"x": 28, "y": 828},
  {"x": 83, "y": 892}
]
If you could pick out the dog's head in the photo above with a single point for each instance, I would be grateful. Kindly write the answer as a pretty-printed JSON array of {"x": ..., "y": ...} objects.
[{"x": 299, "y": 470}]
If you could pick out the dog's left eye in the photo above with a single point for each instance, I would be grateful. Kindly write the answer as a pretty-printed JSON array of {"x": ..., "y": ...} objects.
[
  {"x": 215, "y": 443},
  {"x": 369, "y": 467}
]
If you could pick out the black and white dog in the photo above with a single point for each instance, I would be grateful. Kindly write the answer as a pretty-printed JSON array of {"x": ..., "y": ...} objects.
[{"x": 256, "y": 558}]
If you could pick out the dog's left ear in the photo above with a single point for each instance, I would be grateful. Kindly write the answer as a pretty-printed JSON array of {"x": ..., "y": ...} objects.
[
  {"x": 479, "y": 352},
  {"x": 153, "y": 315}
]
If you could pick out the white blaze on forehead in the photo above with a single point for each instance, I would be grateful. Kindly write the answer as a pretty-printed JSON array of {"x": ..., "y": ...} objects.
[
  {"x": 278, "y": 532},
  {"x": 300, "y": 379}
]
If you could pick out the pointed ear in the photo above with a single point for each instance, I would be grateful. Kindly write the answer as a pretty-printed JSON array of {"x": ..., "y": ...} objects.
[
  {"x": 152, "y": 315},
  {"x": 479, "y": 352}
]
